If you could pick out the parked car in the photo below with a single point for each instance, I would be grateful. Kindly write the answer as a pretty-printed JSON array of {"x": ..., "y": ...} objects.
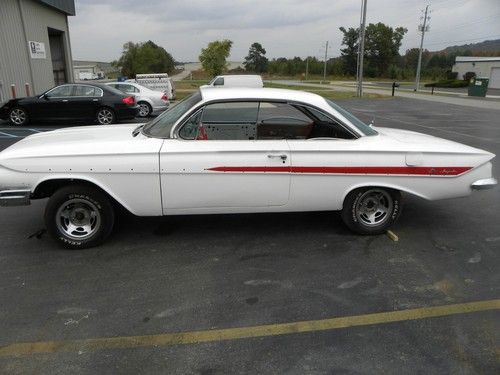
[
  {"x": 236, "y": 80},
  {"x": 235, "y": 151},
  {"x": 156, "y": 81},
  {"x": 82, "y": 102},
  {"x": 149, "y": 101}
]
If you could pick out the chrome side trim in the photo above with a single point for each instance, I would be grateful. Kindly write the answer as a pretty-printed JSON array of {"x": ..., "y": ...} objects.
[
  {"x": 486, "y": 183},
  {"x": 9, "y": 198}
]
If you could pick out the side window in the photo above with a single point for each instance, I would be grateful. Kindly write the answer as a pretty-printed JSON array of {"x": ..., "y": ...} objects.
[
  {"x": 219, "y": 81},
  {"x": 223, "y": 121},
  {"x": 60, "y": 91},
  {"x": 88, "y": 91},
  {"x": 282, "y": 121}
]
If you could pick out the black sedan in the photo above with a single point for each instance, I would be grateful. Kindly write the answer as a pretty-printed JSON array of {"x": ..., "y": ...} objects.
[{"x": 79, "y": 102}]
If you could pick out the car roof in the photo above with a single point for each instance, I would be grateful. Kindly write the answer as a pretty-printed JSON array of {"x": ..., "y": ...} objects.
[{"x": 231, "y": 93}]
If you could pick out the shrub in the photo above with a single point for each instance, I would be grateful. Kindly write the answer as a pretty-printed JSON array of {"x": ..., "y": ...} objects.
[
  {"x": 468, "y": 76},
  {"x": 450, "y": 83}
]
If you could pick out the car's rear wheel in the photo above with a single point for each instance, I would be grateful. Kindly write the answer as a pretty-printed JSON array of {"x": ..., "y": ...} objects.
[
  {"x": 79, "y": 217},
  {"x": 18, "y": 116},
  {"x": 106, "y": 116},
  {"x": 371, "y": 210},
  {"x": 144, "y": 109}
]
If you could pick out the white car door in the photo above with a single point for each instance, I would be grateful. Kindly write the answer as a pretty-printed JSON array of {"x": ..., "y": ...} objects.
[{"x": 217, "y": 164}]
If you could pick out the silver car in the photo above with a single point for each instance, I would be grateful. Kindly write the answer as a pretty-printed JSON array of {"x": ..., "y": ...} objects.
[{"x": 149, "y": 101}]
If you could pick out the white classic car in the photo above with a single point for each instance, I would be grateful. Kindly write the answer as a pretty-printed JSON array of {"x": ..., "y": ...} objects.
[{"x": 235, "y": 151}]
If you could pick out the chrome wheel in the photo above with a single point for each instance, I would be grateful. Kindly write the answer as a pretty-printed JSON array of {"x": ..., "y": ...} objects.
[
  {"x": 17, "y": 116},
  {"x": 144, "y": 110},
  {"x": 78, "y": 219},
  {"x": 105, "y": 116},
  {"x": 374, "y": 207}
]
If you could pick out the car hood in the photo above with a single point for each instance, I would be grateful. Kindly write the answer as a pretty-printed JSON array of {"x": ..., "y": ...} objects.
[{"x": 95, "y": 141}]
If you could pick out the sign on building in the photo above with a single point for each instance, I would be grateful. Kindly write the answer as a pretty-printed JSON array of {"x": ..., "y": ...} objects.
[{"x": 37, "y": 50}]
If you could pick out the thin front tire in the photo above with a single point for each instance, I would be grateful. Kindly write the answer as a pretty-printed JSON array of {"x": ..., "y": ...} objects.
[
  {"x": 18, "y": 116},
  {"x": 79, "y": 217}
]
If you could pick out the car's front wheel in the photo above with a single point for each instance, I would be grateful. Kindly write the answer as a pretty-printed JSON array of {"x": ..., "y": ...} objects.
[
  {"x": 371, "y": 210},
  {"x": 106, "y": 116},
  {"x": 144, "y": 109},
  {"x": 79, "y": 216},
  {"x": 18, "y": 116}
]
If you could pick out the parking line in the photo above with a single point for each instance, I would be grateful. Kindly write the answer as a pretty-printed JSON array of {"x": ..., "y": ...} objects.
[
  {"x": 9, "y": 135},
  {"x": 213, "y": 335}
]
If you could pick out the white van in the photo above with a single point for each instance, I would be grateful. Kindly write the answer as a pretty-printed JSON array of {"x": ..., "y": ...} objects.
[
  {"x": 156, "y": 82},
  {"x": 240, "y": 80}
]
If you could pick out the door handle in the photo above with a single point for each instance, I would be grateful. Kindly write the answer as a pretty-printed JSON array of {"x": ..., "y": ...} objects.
[
  {"x": 281, "y": 156},
  {"x": 95, "y": 100},
  {"x": 64, "y": 100}
]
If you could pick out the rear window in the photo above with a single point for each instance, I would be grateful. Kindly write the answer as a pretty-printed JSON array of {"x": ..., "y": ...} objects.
[{"x": 360, "y": 125}]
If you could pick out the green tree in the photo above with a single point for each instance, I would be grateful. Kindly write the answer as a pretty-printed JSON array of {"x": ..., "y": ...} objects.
[
  {"x": 144, "y": 58},
  {"x": 213, "y": 57},
  {"x": 410, "y": 59},
  {"x": 256, "y": 61},
  {"x": 382, "y": 45},
  {"x": 349, "y": 54}
]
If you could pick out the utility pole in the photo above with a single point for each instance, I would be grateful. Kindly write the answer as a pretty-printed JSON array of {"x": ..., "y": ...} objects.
[
  {"x": 326, "y": 56},
  {"x": 423, "y": 27},
  {"x": 307, "y": 67},
  {"x": 361, "y": 49}
]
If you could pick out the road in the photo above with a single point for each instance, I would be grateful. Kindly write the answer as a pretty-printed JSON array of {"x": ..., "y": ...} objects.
[{"x": 266, "y": 294}]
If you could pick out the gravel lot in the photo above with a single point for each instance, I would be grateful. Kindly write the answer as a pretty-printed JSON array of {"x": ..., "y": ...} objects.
[{"x": 158, "y": 276}]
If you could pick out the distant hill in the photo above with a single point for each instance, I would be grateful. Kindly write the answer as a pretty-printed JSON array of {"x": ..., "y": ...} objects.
[{"x": 486, "y": 46}]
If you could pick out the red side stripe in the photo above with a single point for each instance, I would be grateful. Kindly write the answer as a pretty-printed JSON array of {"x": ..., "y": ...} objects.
[{"x": 431, "y": 171}]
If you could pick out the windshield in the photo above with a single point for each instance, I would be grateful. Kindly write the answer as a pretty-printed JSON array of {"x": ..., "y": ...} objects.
[
  {"x": 160, "y": 127},
  {"x": 360, "y": 125}
]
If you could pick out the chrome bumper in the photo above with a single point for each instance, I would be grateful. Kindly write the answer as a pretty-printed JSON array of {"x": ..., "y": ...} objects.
[
  {"x": 10, "y": 198},
  {"x": 486, "y": 183}
]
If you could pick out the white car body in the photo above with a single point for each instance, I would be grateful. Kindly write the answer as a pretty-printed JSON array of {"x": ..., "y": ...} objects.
[
  {"x": 157, "y": 100},
  {"x": 153, "y": 176},
  {"x": 236, "y": 80}
]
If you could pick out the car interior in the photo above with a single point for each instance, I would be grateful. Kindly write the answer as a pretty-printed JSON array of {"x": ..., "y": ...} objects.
[{"x": 261, "y": 121}]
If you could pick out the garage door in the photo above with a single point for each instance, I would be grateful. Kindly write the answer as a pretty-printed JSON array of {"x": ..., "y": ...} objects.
[{"x": 495, "y": 78}]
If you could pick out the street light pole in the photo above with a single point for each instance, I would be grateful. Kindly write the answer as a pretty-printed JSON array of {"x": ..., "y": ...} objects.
[{"x": 361, "y": 48}]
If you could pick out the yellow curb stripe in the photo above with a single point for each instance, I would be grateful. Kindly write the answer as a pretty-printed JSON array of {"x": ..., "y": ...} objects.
[{"x": 182, "y": 338}]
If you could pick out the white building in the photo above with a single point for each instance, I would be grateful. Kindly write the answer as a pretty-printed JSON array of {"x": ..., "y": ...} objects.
[{"x": 487, "y": 67}]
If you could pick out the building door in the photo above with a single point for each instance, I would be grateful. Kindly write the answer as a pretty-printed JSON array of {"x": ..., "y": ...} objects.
[
  {"x": 58, "y": 56},
  {"x": 494, "y": 79}
]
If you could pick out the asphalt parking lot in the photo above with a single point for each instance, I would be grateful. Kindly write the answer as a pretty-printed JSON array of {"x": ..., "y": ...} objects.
[{"x": 266, "y": 294}]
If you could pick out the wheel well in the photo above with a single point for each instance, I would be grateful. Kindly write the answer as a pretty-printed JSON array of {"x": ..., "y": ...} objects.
[{"x": 46, "y": 188}]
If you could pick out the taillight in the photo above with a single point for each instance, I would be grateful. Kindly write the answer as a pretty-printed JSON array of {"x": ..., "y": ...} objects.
[
  {"x": 129, "y": 100},
  {"x": 164, "y": 98}
]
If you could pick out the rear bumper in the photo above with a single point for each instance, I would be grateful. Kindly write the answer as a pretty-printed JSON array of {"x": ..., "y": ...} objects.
[
  {"x": 126, "y": 113},
  {"x": 10, "y": 198},
  {"x": 483, "y": 184}
]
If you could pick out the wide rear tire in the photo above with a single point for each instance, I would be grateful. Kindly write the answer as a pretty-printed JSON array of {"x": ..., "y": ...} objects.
[
  {"x": 371, "y": 210},
  {"x": 79, "y": 216}
]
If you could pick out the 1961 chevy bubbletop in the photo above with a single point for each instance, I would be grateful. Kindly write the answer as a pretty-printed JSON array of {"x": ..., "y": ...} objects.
[{"x": 235, "y": 150}]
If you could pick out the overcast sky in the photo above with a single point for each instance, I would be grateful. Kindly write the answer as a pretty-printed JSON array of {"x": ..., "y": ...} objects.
[{"x": 284, "y": 27}]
